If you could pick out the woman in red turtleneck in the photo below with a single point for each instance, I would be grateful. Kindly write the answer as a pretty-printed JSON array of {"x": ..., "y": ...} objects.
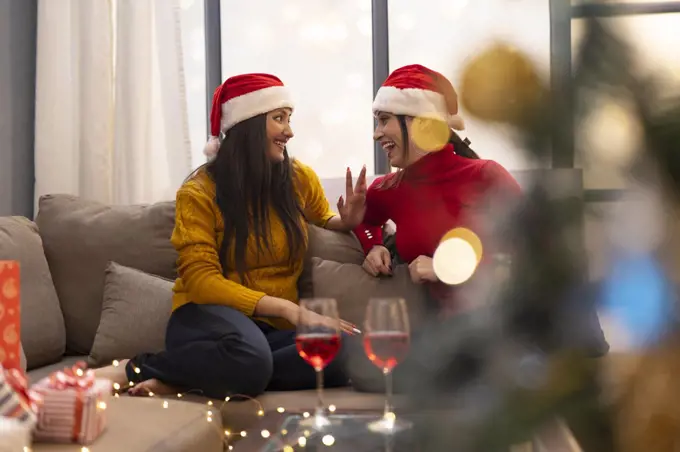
[{"x": 433, "y": 191}]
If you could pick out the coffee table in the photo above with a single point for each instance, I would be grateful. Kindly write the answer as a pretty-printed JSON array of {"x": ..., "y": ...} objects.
[
  {"x": 276, "y": 430},
  {"x": 347, "y": 432}
]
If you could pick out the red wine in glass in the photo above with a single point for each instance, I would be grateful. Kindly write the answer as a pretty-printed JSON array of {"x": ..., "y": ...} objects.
[
  {"x": 386, "y": 343},
  {"x": 386, "y": 349},
  {"x": 318, "y": 349}
]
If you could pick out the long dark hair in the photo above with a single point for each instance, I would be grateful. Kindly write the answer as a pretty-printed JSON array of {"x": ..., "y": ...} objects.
[
  {"x": 460, "y": 147},
  {"x": 247, "y": 186}
]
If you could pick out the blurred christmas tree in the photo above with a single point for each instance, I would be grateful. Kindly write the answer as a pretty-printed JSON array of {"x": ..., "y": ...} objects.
[{"x": 498, "y": 373}]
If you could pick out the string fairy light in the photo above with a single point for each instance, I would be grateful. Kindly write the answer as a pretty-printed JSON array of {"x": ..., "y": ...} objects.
[{"x": 212, "y": 405}]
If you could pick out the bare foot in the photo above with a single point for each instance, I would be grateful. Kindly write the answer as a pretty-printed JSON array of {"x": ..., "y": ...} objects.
[
  {"x": 114, "y": 373},
  {"x": 151, "y": 387}
]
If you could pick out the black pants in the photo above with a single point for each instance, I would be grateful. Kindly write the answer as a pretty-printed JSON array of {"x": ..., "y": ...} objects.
[{"x": 217, "y": 351}]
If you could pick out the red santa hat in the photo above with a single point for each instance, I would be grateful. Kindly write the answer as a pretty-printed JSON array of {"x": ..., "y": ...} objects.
[
  {"x": 243, "y": 97},
  {"x": 415, "y": 90}
]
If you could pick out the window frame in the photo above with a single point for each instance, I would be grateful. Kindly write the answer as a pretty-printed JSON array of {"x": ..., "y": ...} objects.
[
  {"x": 561, "y": 15},
  {"x": 562, "y": 12}
]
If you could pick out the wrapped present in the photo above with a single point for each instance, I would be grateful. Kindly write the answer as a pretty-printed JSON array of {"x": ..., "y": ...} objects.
[
  {"x": 73, "y": 406},
  {"x": 14, "y": 435},
  {"x": 16, "y": 400},
  {"x": 10, "y": 315}
]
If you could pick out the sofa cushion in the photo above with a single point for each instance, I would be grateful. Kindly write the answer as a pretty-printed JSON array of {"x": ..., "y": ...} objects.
[
  {"x": 22, "y": 359},
  {"x": 39, "y": 373},
  {"x": 135, "y": 313},
  {"x": 144, "y": 424},
  {"x": 81, "y": 237},
  {"x": 335, "y": 246},
  {"x": 42, "y": 323},
  {"x": 352, "y": 287}
]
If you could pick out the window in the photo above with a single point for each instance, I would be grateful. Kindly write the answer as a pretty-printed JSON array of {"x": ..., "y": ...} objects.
[
  {"x": 193, "y": 44},
  {"x": 607, "y": 140},
  {"x": 445, "y": 34},
  {"x": 323, "y": 53}
]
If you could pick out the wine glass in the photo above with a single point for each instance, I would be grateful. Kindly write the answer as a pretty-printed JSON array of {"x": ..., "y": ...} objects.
[
  {"x": 318, "y": 342},
  {"x": 386, "y": 342}
]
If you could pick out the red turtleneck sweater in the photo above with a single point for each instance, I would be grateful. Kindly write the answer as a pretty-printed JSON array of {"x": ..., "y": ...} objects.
[{"x": 439, "y": 192}]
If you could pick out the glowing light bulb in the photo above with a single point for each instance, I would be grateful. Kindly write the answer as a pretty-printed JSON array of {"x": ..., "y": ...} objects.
[
  {"x": 454, "y": 261},
  {"x": 331, "y": 408},
  {"x": 116, "y": 386},
  {"x": 115, "y": 363},
  {"x": 328, "y": 440},
  {"x": 302, "y": 441},
  {"x": 244, "y": 434},
  {"x": 280, "y": 409},
  {"x": 101, "y": 405},
  {"x": 260, "y": 413},
  {"x": 226, "y": 399},
  {"x": 305, "y": 414},
  {"x": 165, "y": 404},
  {"x": 210, "y": 403},
  {"x": 265, "y": 433}
]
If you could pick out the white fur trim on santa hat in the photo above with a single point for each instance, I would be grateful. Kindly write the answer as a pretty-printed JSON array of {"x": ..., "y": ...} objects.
[
  {"x": 252, "y": 104},
  {"x": 411, "y": 102},
  {"x": 211, "y": 148}
]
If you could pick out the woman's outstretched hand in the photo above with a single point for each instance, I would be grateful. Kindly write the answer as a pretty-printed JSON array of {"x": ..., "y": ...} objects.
[
  {"x": 313, "y": 318},
  {"x": 353, "y": 206},
  {"x": 378, "y": 261}
]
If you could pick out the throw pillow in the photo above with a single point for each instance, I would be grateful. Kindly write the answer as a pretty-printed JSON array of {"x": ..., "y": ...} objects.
[
  {"x": 42, "y": 324},
  {"x": 135, "y": 311},
  {"x": 81, "y": 237},
  {"x": 352, "y": 287}
]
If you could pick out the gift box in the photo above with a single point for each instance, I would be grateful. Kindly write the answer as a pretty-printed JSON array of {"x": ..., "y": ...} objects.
[
  {"x": 16, "y": 400},
  {"x": 10, "y": 315},
  {"x": 14, "y": 435},
  {"x": 73, "y": 406}
]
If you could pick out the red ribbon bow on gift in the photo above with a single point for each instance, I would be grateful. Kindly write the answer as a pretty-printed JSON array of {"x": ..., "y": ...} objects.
[
  {"x": 17, "y": 381},
  {"x": 76, "y": 377}
]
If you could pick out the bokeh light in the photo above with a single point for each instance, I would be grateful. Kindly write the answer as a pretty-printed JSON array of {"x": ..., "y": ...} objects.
[
  {"x": 500, "y": 84},
  {"x": 469, "y": 236},
  {"x": 454, "y": 261},
  {"x": 429, "y": 134}
]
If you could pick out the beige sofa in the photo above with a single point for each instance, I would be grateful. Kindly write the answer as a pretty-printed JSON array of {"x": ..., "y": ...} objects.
[{"x": 96, "y": 285}]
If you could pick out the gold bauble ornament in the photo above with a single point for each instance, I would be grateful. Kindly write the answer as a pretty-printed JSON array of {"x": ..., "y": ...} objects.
[
  {"x": 429, "y": 134},
  {"x": 501, "y": 85}
]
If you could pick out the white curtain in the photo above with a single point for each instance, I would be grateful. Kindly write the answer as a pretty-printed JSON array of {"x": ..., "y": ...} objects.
[{"x": 111, "y": 108}]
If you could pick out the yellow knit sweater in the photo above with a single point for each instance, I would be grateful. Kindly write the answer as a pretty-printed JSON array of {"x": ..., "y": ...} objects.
[{"x": 198, "y": 235}]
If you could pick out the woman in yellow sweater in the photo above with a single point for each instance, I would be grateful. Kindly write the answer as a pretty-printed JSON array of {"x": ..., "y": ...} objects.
[{"x": 241, "y": 235}]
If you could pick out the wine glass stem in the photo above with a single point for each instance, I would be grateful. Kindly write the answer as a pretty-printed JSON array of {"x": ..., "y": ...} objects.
[
  {"x": 388, "y": 391},
  {"x": 319, "y": 392}
]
